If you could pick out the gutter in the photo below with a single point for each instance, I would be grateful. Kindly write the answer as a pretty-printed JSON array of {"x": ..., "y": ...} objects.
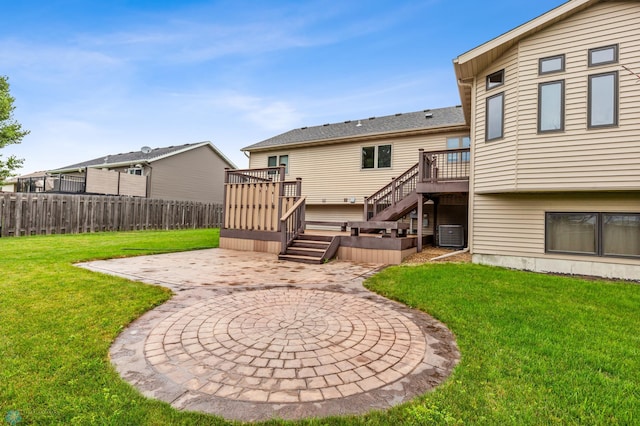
[{"x": 371, "y": 136}]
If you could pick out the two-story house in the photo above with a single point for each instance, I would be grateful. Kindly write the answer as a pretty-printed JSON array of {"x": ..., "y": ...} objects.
[
  {"x": 188, "y": 172},
  {"x": 547, "y": 136},
  {"x": 554, "y": 108}
]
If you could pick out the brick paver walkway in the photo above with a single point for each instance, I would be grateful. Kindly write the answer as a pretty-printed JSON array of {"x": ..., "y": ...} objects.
[{"x": 287, "y": 351}]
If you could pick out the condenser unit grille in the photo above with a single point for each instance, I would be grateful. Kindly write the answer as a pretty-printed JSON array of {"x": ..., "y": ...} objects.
[{"x": 451, "y": 235}]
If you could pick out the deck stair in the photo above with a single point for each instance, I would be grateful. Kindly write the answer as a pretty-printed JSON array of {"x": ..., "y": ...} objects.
[
  {"x": 314, "y": 249},
  {"x": 395, "y": 199}
]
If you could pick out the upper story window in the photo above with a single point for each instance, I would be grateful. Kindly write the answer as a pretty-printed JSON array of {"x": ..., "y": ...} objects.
[
  {"x": 496, "y": 79},
  {"x": 376, "y": 157},
  {"x": 457, "y": 143},
  {"x": 603, "y": 100},
  {"x": 551, "y": 106},
  {"x": 275, "y": 161},
  {"x": 494, "y": 126},
  {"x": 603, "y": 55},
  {"x": 551, "y": 64},
  {"x": 135, "y": 171}
]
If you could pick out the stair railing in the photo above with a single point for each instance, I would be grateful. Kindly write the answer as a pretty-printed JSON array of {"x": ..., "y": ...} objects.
[
  {"x": 391, "y": 193},
  {"x": 292, "y": 224}
]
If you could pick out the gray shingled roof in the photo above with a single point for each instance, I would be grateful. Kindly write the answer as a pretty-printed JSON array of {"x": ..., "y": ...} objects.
[
  {"x": 138, "y": 156},
  {"x": 430, "y": 118}
]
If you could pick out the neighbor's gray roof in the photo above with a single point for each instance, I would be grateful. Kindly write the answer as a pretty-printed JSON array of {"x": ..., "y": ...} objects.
[
  {"x": 140, "y": 157},
  {"x": 425, "y": 119}
]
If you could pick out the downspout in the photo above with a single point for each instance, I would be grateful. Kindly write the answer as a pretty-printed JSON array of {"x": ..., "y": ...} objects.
[
  {"x": 470, "y": 84},
  {"x": 444, "y": 256}
]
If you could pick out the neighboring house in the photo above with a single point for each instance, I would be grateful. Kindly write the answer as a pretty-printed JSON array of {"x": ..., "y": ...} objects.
[
  {"x": 9, "y": 185},
  {"x": 190, "y": 172},
  {"x": 552, "y": 109},
  {"x": 32, "y": 182}
]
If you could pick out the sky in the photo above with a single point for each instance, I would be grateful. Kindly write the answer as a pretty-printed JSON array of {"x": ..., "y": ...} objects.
[{"x": 92, "y": 78}]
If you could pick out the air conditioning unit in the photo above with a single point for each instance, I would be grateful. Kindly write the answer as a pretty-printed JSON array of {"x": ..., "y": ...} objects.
[{"x": 451, "y": 236}]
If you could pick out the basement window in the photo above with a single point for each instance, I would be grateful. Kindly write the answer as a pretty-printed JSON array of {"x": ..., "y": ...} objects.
[{"x": 595, "y": 234}]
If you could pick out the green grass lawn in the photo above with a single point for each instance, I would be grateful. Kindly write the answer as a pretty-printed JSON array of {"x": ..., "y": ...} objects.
[{"x": 535, "y": 349}]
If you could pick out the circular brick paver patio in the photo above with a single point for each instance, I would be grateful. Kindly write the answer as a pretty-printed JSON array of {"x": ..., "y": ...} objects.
[
  {"x": 316, "y": 343},
  {"x": 285, "y": 346}
]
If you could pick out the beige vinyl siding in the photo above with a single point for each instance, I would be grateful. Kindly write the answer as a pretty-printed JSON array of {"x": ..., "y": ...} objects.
[
  {"x": 195, "y": 175},
  {"x": 495, "y": 160},
  {"x": 334, "y": 213},
  {"x": 513, "y": 224},
  {"x": 332, "y": 173},
  {"x": 577, "y": 158}
]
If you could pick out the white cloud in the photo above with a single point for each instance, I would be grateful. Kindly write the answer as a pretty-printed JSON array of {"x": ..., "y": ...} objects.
[{"x": 268, "y": 114}]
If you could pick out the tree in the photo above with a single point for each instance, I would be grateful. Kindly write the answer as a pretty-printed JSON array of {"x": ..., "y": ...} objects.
[{"x": 10, "y": 130}]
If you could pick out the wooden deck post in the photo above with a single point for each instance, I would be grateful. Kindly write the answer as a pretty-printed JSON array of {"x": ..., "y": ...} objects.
[
  {"x": 224, "y": 197},
  {"x": 366, "y": 208},
  {"x": 421, "y": 165},
  {"x": 393, "y": 191},
  {"x": 299, "y": 187},
  {"x": 420, "y": 215},
  {"x": 436, "y": 237}
]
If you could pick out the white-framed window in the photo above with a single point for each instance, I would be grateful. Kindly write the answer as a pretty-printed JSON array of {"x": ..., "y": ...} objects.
[
  {"x": 376, "y": 157},
  {"x": 551, "y": 106},
  {"x": 135, "y": 171},
  {"x": 494, "y": 126},
  {"x": 457, "y": 143}
]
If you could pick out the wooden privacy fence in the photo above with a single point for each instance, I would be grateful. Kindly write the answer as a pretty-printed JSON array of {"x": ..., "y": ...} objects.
[{"x": 42, "y": 213}]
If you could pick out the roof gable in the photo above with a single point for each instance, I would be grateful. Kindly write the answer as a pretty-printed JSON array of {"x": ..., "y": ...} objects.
[
  {"x": 125, "y": 159},
  {"x": 471, "y": 63},
  {"x": 350, "y": 129}
]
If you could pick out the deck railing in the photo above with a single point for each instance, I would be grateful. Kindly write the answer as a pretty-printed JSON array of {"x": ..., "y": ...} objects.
[
  {"x": 390, "y": 194},
  {"x": 267, "y": 174},
  {"x": 256, "y": 198},
  {"x": 64, "y": 184},
  {"x": 433, "y": 166},
  {"x": 440, "y": 166},
  {"x": 292, "y": 224}
]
